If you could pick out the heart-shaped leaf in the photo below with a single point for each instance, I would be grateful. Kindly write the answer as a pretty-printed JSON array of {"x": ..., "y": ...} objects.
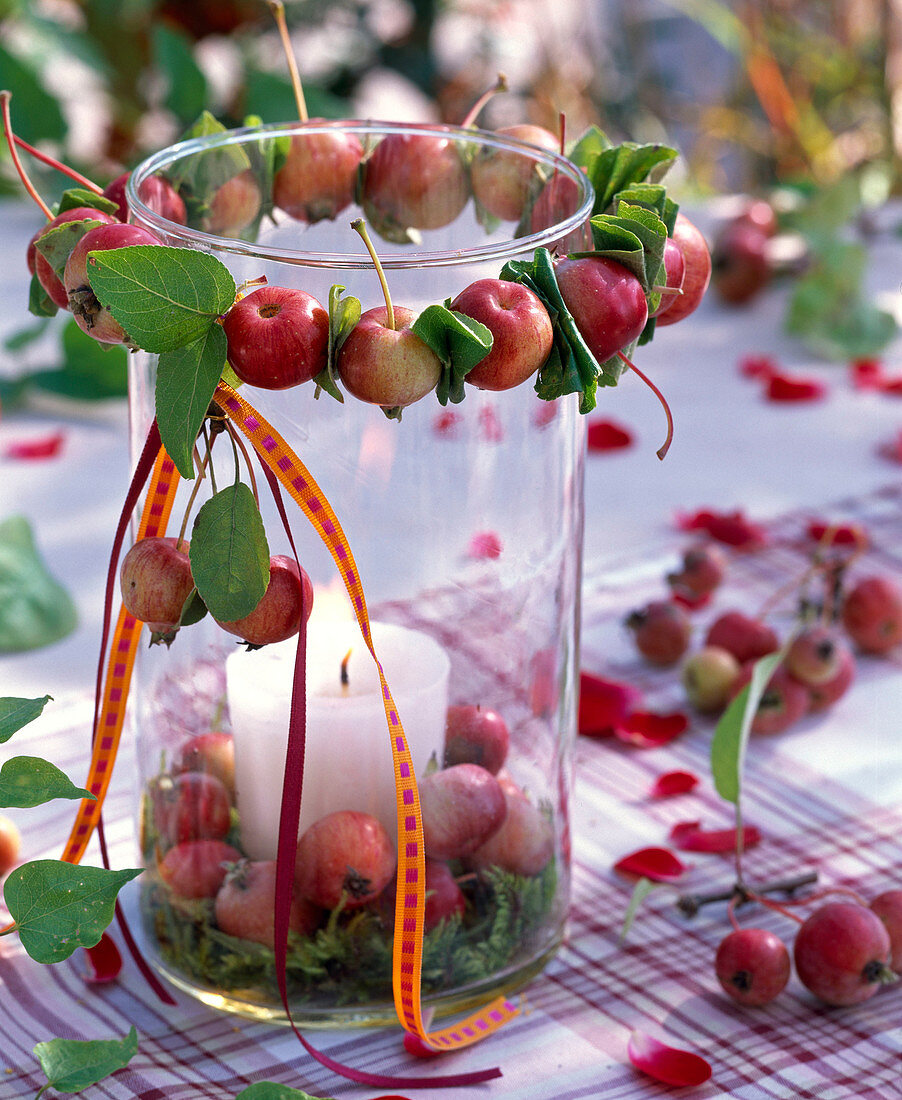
[
  {"x": 58, "y": 907},
  {"x": 30, "y": 781},
  {"x": 75, "y": 1064},
  {"x": 35, "y": 609},
  {"x": 164, "y": 297},
  {"x": 229, "y": 553},
  {"x": 16, "y": 713},
  {"x": 186, "y": 380}
]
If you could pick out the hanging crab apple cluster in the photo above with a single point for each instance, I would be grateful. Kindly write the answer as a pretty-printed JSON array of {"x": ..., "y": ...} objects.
[{"x": 843, "y": 952}]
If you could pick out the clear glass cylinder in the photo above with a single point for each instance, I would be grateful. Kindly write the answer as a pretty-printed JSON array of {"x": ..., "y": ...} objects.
[{"x": 465, "y": 522}]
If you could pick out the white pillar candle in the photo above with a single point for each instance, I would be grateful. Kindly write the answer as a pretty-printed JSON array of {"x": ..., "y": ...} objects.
[{"x": 348, "y": 760}]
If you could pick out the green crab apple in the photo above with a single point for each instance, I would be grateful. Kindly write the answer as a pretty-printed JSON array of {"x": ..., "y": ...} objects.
[{"x": 520, "y": 327}]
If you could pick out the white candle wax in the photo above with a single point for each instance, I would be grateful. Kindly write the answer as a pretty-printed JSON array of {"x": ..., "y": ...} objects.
[{"x": 348, "y": 762}]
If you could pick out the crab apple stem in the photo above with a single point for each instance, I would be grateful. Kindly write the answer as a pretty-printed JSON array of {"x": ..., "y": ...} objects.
[
  {"x": 5, "y": 97},
  {"x": 278, "y": 11},
  {"x": 238, "y": 443},
  {"x": 665, "y": 446},
  {"x": 500, "y": 85},
  {"x": 360, "y": 227},
  {"x": 45, "y": 158},
  {"x": 689, "y": 904},
  {"x": 667, "y": 291}
]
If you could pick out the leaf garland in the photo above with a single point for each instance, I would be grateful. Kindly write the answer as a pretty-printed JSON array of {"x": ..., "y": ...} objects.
[{"x": 460, "y": 342}]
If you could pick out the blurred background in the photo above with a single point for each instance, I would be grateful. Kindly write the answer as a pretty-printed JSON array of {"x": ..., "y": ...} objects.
[{"x": 753, "y": 93}]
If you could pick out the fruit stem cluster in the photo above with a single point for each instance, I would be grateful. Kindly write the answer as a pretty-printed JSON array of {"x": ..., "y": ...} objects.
[{"x": 690, "y": 904}]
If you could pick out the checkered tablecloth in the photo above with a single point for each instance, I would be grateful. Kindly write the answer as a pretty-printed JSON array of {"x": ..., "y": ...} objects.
[{"x": 839, "y": 814}]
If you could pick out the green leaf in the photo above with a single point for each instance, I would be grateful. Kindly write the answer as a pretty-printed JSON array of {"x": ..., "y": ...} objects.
[
  {"x": 59, "y": 906},
  {"x": 571, "y": 367},
  {"x": 229, "y": 554},
  {"x": 193, "y": 609},
  {"x": 641, "y": 890},
  {"x": 23, "y": 337},
  {"x": 40, "y": 304},
  {"x": 623, "y": 165},
  {"x": 458, "y": 341},
  {"x": 35, "y": 609},
  {"x": 16, "y": 713},
  {"x": 732, "y": 731},
  {"x": 27, "y": 781},
  {"x": 186, "y": 381},
  {"x": 71, "y": 1065},
  {"x": 269, "y": 1090},
  {"x": 654, "y": 197},
  {"x": 164, "y": 297},
  {"x": 75, "y": 197},
  {"x": 56, "y": 244},
  {"x": 266, "y": 155},
  {"x": 173, "y": 54},
  {"x": 344, "y": 313},
  {"x": 634, "y": 237},
  {"x": 202, "y": 174},
  {"x": 89, "y": 371}
]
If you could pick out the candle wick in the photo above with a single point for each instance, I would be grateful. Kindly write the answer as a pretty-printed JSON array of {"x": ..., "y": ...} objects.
[{"x": 345, "y": 678}]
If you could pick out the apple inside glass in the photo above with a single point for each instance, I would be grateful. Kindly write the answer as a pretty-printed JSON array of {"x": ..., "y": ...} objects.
[
  {"x": 319, "y": 175},
  {"x": 520, "y": 327},
  {"x": 501, "y": 179},
  {"x": 414, "y": 181}
]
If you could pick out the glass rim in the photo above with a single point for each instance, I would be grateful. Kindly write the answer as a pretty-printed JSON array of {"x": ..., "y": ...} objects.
[{"x": 416, "y": 256}]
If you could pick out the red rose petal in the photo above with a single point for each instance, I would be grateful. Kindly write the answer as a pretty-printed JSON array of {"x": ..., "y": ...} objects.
[
  {"x": 104, "y": 960},
  {"x": 604, "y": 704},
  {"x": 676, "y": 782},
  {"x": 689, "y": 601},
  {"x": 544, "y": 413},
  {"x": 606, "y": 435},
  {"x": 867, "y": 374},
  {"x": 757, "y": 366},
  {"x": 485, "y": 544},
  {"x": 665, "y": 1063},
  {"x": 490, "y": 426},
  {"x": 658, "y": 864},
  {"x": 731, "y": 528},
  {"x": 447, "y": 423},
  {"x": 785, "y": 387},
  {"x": 689, "y": 836},
  {"x": 840, "y": 534},
  {"x": 29, "y": 450},
  {"x": 649, "y": 731}
]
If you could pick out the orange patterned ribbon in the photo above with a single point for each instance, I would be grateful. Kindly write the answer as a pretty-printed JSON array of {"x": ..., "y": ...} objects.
[{"x": 410, "y": 901}]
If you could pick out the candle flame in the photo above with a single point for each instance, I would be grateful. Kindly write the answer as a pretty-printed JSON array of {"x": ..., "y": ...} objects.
[{"x": 345, "y": 679}]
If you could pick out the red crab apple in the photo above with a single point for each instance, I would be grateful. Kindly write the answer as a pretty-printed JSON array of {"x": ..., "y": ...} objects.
[
  {"x": 520, "y": 327},
  {"x": 560, "y": 198},
  {"x": 674, "y": 272},
  {"x": 95, "y": 319},
  {"x": 661, "y": 630},
  {"x": 345, "y": 857},
  {"x": 155, "y": 192},
  {"x": 213, "y": 753},
  {"x": 233, "y": 206},
  {"x": 318, "y": 176},
  {"x": 697, "y": 274},
  {"x": 524, "y": 844},
  {"x": 607, "y": 302},
  {"x": 783, "y": 702},
  {"x": 277, "y": 616},
  {"x": 842, "y": 952},
  {"x": 745, "y": 636},
  {"x": 191, "y": 806},
  {"x": 385, "y": 364},
  {"x": 462, "y": 806},
  {"x": 760, "y": 214},
  {"x": 815, "y": 654},
  {"x": 245, "y": 904},
  {"x": 155, "y": 580},
  {"x": 888, "y": 907},
  {"x": 702, "y": 570},
  {"x": 708, "y": 676},
  {"x": 476, "y": 735},
  {"x": 38, "y": 264},
  {"x": 196, "y": 869},
  {"x": 501, "y": 179},
  {"x": 740, "y": 263},
  {"x": 825, "y": 694},
  {"x": 9, "y": 844},
  {"x": 413, "y": 181},
  {"x": 752, "y": 966},
  {"x": 872, "y": 614},
  {"x": 277, "y": 337}
]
